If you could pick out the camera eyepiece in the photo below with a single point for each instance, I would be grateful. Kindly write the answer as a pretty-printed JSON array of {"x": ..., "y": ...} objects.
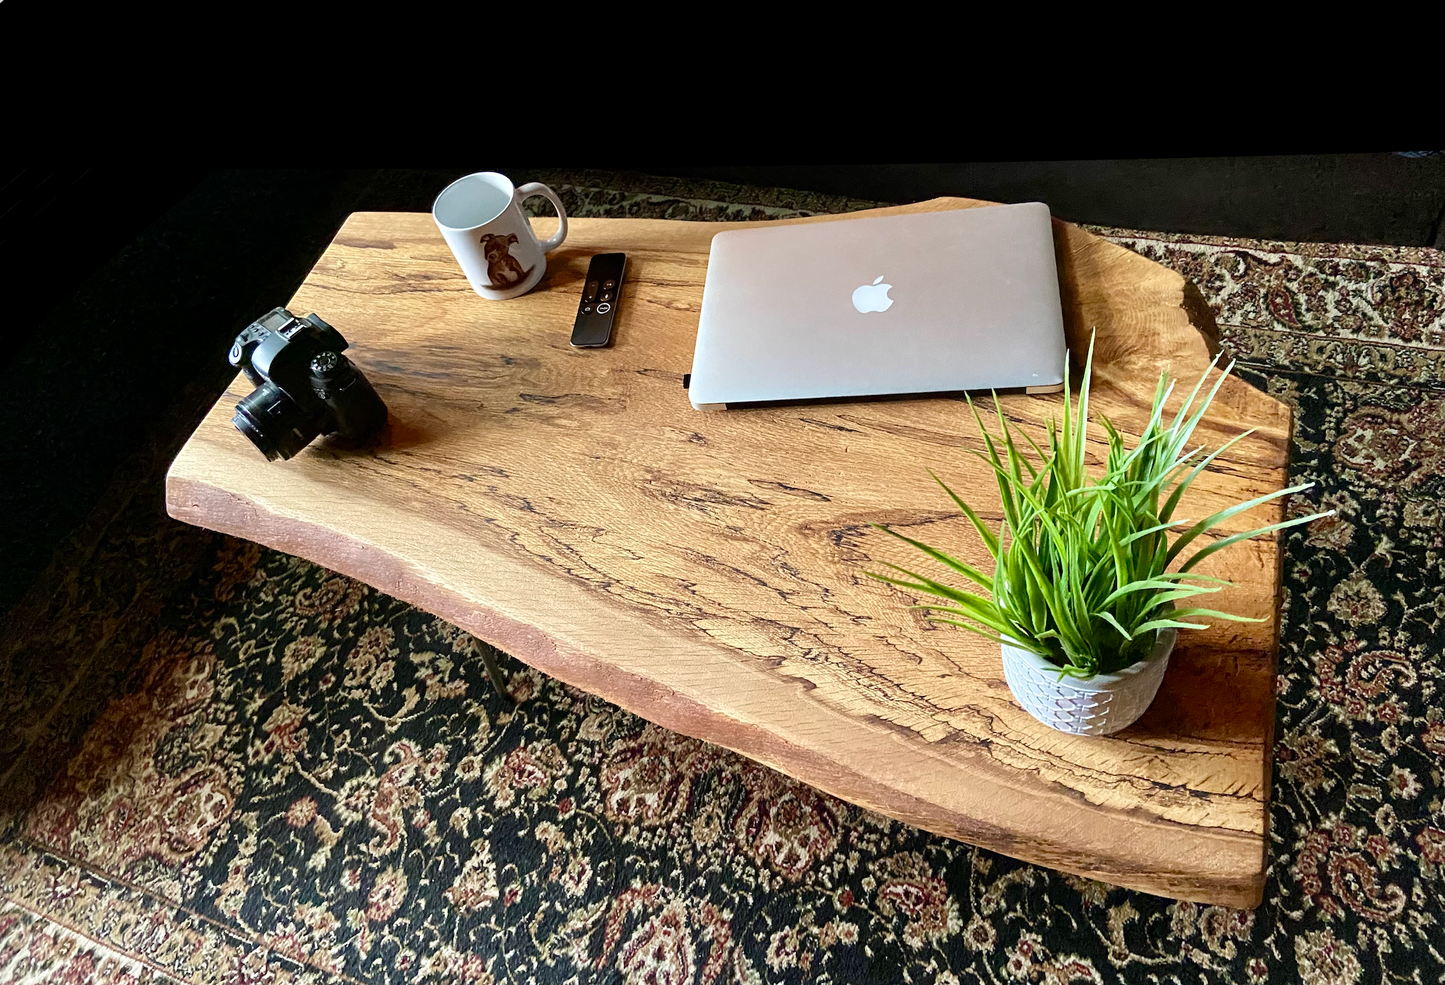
[{"x": 304, "y": 386}]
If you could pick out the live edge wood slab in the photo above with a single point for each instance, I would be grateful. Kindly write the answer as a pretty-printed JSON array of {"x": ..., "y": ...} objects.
[{"x": 706, "y": 570}]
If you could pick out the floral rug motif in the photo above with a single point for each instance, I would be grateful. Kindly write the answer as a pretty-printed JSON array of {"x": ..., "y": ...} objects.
[
  {"x": 1356, "y": 312},
  {"x": 34, "y": 948},
  {"x": 291, "y": 777}
]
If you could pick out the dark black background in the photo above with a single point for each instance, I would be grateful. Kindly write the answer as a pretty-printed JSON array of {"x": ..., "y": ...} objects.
[{"x": 124, "y": 285}]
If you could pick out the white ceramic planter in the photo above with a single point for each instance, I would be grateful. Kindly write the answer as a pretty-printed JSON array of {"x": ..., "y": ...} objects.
[{"x": 1100, "y": 705}]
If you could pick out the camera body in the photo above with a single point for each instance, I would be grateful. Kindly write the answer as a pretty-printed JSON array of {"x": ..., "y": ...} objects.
[{"x": 304, "y": 386}]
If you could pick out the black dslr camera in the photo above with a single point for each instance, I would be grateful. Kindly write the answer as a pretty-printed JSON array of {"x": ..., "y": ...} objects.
[{"x": 304, "y": 385}]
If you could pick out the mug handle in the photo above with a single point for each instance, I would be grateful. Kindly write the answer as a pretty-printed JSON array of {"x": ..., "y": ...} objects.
[{"x": 537, "y": 188}]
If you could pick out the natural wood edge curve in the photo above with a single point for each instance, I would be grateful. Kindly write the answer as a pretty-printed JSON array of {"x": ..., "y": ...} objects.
[{"x": 194, "y": 502}]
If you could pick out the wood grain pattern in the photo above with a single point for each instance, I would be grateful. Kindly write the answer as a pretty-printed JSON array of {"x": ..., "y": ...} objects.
[{"x": 706, "y": 570}]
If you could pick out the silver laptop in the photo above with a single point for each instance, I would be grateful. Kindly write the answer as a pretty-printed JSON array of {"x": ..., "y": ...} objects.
[{"x": 927, "y": 303}]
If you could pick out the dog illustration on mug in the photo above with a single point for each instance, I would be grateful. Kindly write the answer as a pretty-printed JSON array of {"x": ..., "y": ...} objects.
[{"x": 503, "y": 270}]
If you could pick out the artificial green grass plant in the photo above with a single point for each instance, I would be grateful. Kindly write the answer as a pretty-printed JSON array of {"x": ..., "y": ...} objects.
[{"x": 1082, "y": 566}]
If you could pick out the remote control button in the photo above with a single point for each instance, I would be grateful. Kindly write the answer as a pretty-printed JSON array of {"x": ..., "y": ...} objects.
[
  {"x": 591, "y": 290},
  {"x": 607, "y": 295},
  {"x": 608, "y": 285},
  {"x": 587, "y": 309},
  {"x": 603, "y": 308}
]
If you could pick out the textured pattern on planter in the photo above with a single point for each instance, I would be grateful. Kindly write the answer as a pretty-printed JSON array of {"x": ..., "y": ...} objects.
[{"x": 1100, "y": 705}]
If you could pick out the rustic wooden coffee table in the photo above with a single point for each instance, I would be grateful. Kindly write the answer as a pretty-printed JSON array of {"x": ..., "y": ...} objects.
[{"x": 706, "y": 571}]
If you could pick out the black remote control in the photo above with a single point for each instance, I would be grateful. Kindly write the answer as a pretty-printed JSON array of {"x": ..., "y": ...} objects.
[{"x": 600, "y": 292}]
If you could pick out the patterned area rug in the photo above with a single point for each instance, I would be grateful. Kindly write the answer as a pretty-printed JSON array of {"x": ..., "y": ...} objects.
[{"x": 223, "y": 764}]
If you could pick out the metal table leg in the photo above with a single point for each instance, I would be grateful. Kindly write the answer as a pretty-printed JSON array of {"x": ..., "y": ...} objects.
[{"x": 495, "y": 673}]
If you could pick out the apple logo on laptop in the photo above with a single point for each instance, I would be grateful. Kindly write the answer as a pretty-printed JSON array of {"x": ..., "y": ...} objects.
[{"x": 873, "y": 297}]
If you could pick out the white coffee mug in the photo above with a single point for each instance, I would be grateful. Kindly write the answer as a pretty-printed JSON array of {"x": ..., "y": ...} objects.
[{"x": 482, "y": 220}]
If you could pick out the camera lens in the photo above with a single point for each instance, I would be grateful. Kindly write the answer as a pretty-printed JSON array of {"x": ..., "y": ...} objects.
[{"x": 274, "y": 422}]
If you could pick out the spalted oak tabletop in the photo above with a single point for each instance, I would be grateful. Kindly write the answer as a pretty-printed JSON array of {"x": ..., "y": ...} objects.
[{"x": 706, "y": 570}]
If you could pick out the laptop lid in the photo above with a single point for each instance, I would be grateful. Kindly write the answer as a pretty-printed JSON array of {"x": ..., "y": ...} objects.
[{"x": 928, "y": 302}]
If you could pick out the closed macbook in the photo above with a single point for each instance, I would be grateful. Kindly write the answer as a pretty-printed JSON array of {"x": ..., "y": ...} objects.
[{"x": 930, "y": 302}]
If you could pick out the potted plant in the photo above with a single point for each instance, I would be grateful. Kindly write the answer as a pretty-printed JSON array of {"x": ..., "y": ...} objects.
[{"x": 1091, "y": 581}]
